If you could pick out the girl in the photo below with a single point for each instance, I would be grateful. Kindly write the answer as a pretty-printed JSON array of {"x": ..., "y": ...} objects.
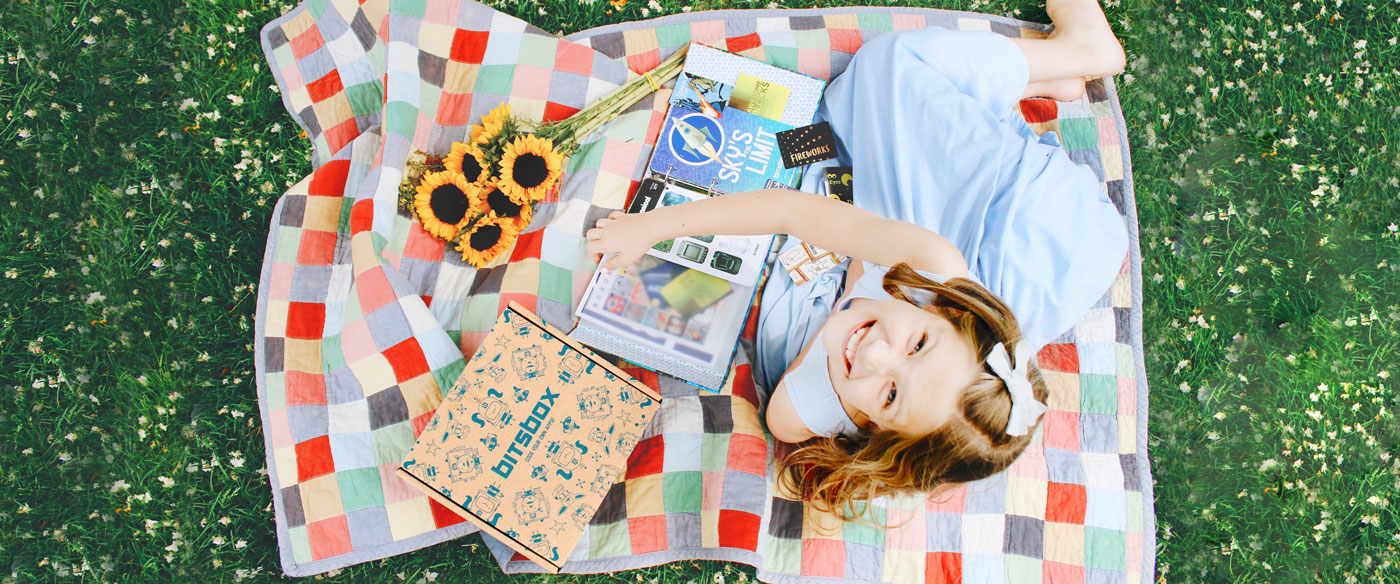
[{"x": 907, "y": 378}]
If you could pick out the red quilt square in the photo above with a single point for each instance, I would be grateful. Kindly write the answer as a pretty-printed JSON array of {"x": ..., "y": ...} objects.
[
  {"x": 823, "y": 557},
  {"x": 442, "y": 516},
  {"x": 529, "y": 301},
  {"x": 1038, "y": 111},
  {"x": 362, "y": 216},
  {"x": 573, "y": 58},
  {"x": 305, "y": 389},
  {"x": 329, "y": 180},
  {"x": 307, "y": 42},
  {"x": 469, "y": 46},
  {"x": 648, "y": 533},
  {"x": 743, "y": 382},
  {"x": 941, "y": 567},
  {"x": 647, "y": 457},
  {"x": 846, "y": 40},
  {"x": 325, "y": 87},
  {"x": 527, "y": 245},
  {"x": 329, "y": 537},
  {"x": 339, "y": 135},
  {"x": 317, "y": 248},
  {"x": 748, "y": 454},
  {"x": 407, "y": 360},
  {"x": 742, "y": 43},
  {"x": 1059, "y": 357},
  {"x": 314, "y": 458},
  {"x": 306, "y": 320},
  {"x": 1058, "y": 572},
  {"x": 557, "y": 111},
  {"x": 421, "y": 422},
  {"x": 421, "y": 245},
  {"x": 738, "y": 529},
  {"x": 1064, "y": 503}
]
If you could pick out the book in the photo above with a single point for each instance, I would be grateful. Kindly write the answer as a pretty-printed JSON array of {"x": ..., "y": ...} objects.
[
  {"x": 530, "y": 437},
  {"x": 680, "y": 309}
]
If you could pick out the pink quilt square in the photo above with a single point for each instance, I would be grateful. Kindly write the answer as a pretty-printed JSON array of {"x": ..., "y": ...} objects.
[
  {"x": 454, "y": 109},
  {"x": 748, "y": 454},
  {"x": 305, "y": 389},
  {"x": 846, "y": 40},
  {"x": 710, "y": 32},
  {"x": 307, "y": 42},
  {"x": 621, "y": 157},
  {"x": 949, "y": 501},
  {"x": 643, "y": 62},
  {"x": 909, "y": 21},
  {"x": 814, "y": 62},
  {"x": 1127, "y": 396},
  {"x": 281, "y": 285},
  {"x": 648, "y": 533},
  {"x": 823, "y": 557},
  {"x": 574, "y": 58},
  {"x": 531, "y": 82},
  {"x": 442, "y": 13},
  {"x": 1066, "y": 573},
  {"x": 292, "y": 76},
  {"x": 280, "y": 429},
  {"x": 1062, "y": 430},
  {"x": 356, "y": 342},
  {"x": 423, "y": 246},
  {"x": 339, "y": 135},
  {"x": 395, "y": 489},
  {"x": 711, "y": 491},
  {"x": 317, "y": 248},
  {"x": 906, "y": 530},
  {"x": 1108, "y": 132},
  {"x": 329, "y": 537},
  {"x": 374, "y": 290}
]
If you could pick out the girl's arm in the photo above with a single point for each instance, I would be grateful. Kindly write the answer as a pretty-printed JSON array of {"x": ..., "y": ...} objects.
[{"x": 820, "y": 221}]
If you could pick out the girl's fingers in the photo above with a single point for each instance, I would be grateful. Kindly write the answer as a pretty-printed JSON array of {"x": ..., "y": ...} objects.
[
  {"x": 614, "y": 214},
  {"x": 593, "y": 234}
]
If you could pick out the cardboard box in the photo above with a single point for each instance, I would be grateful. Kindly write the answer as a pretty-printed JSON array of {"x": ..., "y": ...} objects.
[{"x": 531, "y": 437}]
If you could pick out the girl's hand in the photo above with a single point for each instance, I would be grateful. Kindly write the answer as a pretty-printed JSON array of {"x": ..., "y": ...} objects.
[{"x": 622, "y": 234}]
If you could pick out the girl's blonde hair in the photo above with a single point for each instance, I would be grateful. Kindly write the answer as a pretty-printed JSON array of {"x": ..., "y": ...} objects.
[{"x": 835, "y": 473}]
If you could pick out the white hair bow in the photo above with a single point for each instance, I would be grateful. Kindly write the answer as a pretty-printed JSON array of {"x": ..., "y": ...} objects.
[{"x": 1025, "y": 409}]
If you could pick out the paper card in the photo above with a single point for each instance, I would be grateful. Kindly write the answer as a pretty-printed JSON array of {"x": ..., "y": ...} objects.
[
  {"x": 531, "y": 437},
  {"x": 698, "y": 94},
  {"x": 759, "y": 97},
  {"x": 838, "y": 183},
  {"x": 805, "y": 145}
]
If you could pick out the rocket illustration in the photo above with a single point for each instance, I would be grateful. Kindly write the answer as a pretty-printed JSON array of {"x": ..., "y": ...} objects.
[
  {"x": 705, "y": 107},
  {"x": 696, "y": 140}
]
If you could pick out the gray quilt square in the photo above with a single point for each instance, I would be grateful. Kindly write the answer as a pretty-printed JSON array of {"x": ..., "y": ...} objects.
[
  {"x": 369, "y": 527},
  {"x": 342, "y": 387},
  {"x": 1024, "y": 536},
  {"x": 1064, "y": 466},
  {"x": 1098, "y": 433},
  {"x": 307, "y": 422},
  {"x": 743, "y": 492},
  {"x": 987, "y": 495},
  {"x": 388, "y": 325},
  {"x": 944, "y": 532}
]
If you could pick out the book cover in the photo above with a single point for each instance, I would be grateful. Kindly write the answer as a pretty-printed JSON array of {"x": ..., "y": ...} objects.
[
  {"x": 529, "y": 439},
  {"x": 733, "y": 153}
]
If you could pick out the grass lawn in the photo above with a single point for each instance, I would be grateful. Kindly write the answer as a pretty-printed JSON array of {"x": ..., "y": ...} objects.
[{"x": 143, "y": 147}]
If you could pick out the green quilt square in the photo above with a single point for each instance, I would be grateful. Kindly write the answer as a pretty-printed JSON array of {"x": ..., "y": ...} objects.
[
  {"x": 1098, "y": 394},
  {"x": 1125, "y": 366},
  {"x": 392, "y": 442},
  {"x": 494, "y": 79},
  {"x": 401, "y": 118},
  {"x": 360, "y": 488},
  {"x": 681, "y": 491},
  {"x": 1133, "y": 511},
  {"x": 875, "y": 21},
  {"x": 556, "y": 283},
  {"x": 589, "y": 155},
  {"x": 1023, "y": 569},
  {"x": 287, "y": 237},
  {"x": 347, "y": 206},
  {"x": 673, "y": 35},
  {"x": 284, "y": 56},
  {"x": 610, "y": 540},
  {"x": 479, "y": 312},
  {"x": 276, "y": 390},
  {"x": 538, "y": 50},
  {"x": 1105, "y": 549},
  {"x": 782, "y": 555},
  {"x": 332, "y": 354},
  {"x": 714, "y": 452},
  {"x": 1079, "y": 133},
  {"x": 301, "y": 544},
  {"x": 812, "y": 39},
  {"x": 785, "y": 57},
  {"x": 365, "y": 98},
  {"x": 414, "y": 8},
  {"x": 447, "y": 376},
  {"x": 860, "y": 532}
]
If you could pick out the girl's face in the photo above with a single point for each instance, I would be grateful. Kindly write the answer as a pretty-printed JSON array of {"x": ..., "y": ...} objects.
[{"x": 899, "y": 366}]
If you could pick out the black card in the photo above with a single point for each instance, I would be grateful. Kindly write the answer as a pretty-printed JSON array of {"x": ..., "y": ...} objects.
[
  {"x": 805, "y": 145},
  {"x": 838, "y": 183},
  {"x": 647, "y": 196}
]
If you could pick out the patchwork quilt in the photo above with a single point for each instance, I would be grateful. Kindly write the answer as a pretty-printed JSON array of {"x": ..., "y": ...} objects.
[{"x": 363, "y": 318}]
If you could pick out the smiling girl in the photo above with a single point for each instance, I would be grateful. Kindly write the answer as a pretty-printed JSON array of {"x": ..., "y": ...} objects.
[{"x": 905, "y": 378}]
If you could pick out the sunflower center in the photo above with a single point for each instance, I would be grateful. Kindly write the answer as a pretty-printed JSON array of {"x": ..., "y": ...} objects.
[
  {"x": 449, "y": 204},
  {"x": 502, "y": 205},
  {"x": 530, "y": 170},
  {"x": 471, "y": 168},
  {"x": 485, "y": 237}
]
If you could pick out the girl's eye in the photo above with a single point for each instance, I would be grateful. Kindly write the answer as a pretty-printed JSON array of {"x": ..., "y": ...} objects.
[
  {"x": 920, "y": 345},
  {"x": 889, "y": 397}
]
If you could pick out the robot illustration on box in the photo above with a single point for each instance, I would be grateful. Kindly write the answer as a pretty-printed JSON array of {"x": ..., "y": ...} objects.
[
  {"x": 493, "y": 369},
  {"x": 567, "y": 457},
  {"x": 464, "y": 464},
  {"x": 528, "y": 362},
  {"x": 530, "y": 506},
  {"x": 485, "y": 503},
  {"x": 492, "y": 410},
  {"x": 573, "y": 365},
  {"x": 593, "y": 403}
]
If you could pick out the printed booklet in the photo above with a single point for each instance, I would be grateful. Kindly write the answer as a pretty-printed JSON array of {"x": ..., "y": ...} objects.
[{"x": 680, "y": 309}]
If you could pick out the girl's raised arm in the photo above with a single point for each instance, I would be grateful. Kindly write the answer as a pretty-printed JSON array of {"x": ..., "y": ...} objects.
[{"x": 821, "y": 221}]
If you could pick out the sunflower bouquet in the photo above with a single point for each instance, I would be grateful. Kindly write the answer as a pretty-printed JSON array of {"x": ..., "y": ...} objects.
[{"x": 481, "y": 194}]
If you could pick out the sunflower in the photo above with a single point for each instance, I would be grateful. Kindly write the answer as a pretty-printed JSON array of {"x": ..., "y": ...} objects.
[
  {"x": 469, "y": 160},
  {"x": 501, "y": 205},
  {"x": 529, "y": 168},
  {"x": 486, "y": 240},
  {"x": 491, "y": 124},
  {"x": 445, "y": 202}
]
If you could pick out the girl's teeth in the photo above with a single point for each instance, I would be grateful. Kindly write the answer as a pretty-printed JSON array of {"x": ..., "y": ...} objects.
[{"x": 854, "y": 341}]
